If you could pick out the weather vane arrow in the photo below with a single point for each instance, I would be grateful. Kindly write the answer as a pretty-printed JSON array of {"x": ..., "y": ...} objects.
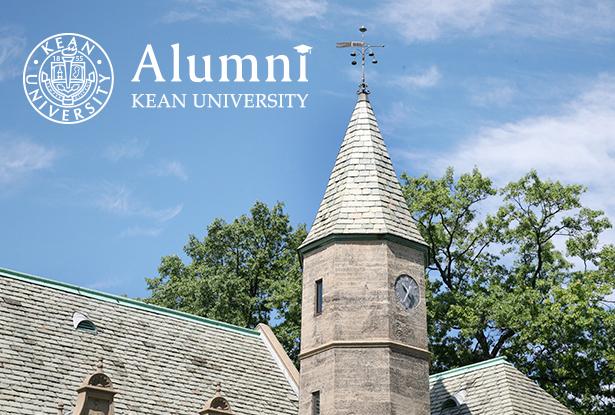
[{"x": 364, "y": 49}]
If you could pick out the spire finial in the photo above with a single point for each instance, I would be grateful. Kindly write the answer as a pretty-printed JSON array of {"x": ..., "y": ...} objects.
[
  {"x": 219, "y": 389},
  {"x": 364, "y": 49},
  {"x": 99, "y": 365}
]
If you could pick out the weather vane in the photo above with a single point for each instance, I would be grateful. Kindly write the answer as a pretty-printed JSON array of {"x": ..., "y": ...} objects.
[{"x": 365, "y": 49}]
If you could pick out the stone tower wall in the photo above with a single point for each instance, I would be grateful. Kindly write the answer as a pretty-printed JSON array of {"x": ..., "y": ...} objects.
[{"x": 364, "y": 352}]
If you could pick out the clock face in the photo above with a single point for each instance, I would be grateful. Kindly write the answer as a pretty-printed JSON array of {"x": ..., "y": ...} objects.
[{"x": 407, "y": 291}]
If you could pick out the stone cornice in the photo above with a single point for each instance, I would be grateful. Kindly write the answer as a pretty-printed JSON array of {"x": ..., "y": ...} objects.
[
  {"x": 360, "y": 237},
  {"x": 367, "y": 344}
]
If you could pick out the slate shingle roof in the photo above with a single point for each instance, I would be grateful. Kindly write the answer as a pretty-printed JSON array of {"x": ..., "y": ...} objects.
[
  {"x": 161, "y": 362},
  {"x": 493, "y": 387},
  {"x": 167, "y": 363},
  {"x": 363, "y": 195}
]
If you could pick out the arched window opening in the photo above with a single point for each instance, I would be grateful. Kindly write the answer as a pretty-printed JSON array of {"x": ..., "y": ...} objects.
[{"x": 81, "y": 322}]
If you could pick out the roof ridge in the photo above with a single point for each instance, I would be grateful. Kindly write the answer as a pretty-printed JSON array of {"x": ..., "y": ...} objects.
[
  {"x": 507, "y": 388},
  {"x": 515, "y": 375},
  {"x": 469, "y": 368},
  {"x": 124, "y": 301}
]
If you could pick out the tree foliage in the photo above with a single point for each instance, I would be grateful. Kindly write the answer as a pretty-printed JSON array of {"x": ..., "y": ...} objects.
[
  {"x": 516, "y": 271},
  {"x": 528, "y": 280},
  {"x": 244, "y": 272}
]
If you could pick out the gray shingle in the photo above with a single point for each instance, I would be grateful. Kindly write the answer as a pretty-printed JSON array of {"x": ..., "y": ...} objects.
[
  {"x": 363, "y": 195},
  {"x": 160, "y": 364},
  {"x": 163, "y": 364},
  {"x": 493, "y": 387}
]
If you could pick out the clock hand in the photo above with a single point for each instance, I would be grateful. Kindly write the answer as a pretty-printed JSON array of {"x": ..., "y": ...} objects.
[{"x": 407, "y": 289}]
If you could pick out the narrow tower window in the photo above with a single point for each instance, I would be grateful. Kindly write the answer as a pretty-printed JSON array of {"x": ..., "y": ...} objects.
[
  {"x": 316, "y": 403},
  {"x": 318, "y": 304}
]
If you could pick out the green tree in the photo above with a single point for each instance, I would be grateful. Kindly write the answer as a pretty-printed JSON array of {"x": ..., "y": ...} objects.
[
  {"x": 245, "y": 272},
  {"x": 528, "y": 281}
]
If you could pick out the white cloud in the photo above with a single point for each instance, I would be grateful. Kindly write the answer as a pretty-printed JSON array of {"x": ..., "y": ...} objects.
[
  {"x": 396, "y": 116},
  {"x": 163, "y": 215},
  {"x": 119, "y": 200},
  {"x": 12, "y": 49},
  {"x": 492, "y": 92},
  {"x": 574, "y": 145},
  {"x": 137, "y": 231},
  {"x": 132, "y": 148},
  {"x": 558, "y": 18},
  {"x": 425, "y": 20},
  {"x": 114, "y": 199},
  {"x": 177, "y": 16},
  {"x": 170, "y": 169},
  {"x": 239, "y": 11},
  {"x": 418, "y": 20},
  {"x": 209, "y": 10},
  {"x": 296, "y": 10},
  {"x": 107, "y": 283},
  {"x": 426, "y": 79},
  {"x": 20, "y": 156}
]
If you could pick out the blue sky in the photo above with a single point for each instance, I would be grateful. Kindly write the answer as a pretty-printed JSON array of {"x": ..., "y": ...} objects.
[{"x": 503, "y": 85}]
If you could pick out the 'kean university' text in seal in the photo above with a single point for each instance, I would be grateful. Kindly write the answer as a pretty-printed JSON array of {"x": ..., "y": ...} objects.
[{"x": 68, "y": 78}]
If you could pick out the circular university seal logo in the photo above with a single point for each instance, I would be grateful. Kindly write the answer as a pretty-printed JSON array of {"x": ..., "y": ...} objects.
[{"x": 68, "y": 78}]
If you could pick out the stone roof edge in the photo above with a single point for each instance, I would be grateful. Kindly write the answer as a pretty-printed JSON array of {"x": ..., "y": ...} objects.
[
  {"x": 361, "y": 236},
  {"x": 123, "y": 301},
  {"x": 469, "y": 368},
  {"x": 279, "y": 355}
]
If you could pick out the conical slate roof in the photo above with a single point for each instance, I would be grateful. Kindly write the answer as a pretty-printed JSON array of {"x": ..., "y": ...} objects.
[{"x": 363, "y": 195}]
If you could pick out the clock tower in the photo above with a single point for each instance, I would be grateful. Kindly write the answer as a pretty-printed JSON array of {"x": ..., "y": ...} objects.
[{"x": 364, "y": 327}]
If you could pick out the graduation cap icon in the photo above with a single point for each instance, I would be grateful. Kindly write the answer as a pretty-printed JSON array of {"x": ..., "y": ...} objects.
[{"x": 303, "y": 49}]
